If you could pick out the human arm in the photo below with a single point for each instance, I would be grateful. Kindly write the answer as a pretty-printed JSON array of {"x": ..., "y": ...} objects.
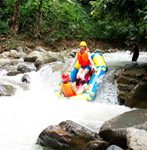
[
  {"x": 93, "y": 66},
  {"x": 74, "y": 88}
]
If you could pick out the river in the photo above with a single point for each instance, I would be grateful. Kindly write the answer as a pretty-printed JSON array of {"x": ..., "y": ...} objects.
[{"x": 24, "y": 115}]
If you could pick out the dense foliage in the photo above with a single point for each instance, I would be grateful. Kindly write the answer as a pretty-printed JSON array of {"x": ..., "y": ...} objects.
[
  {"x": 53, "y": 20},
  {"x": 121, "y": 18}
]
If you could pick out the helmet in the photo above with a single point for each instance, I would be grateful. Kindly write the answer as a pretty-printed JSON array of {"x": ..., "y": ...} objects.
[
  {"x": 83, "y": 43},
  {"x": 65, "y": 77}
]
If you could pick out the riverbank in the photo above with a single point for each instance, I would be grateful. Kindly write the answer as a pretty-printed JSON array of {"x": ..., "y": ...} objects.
[{"x": 8, "y": 43}]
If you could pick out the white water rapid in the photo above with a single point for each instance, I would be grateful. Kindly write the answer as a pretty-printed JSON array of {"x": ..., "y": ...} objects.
[{"x": 24, "y": 115}]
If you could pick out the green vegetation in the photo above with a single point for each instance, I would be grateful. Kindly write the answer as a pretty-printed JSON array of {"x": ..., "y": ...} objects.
[
  {"x": 121, "y": 19},
  {"x": 53, "y": 20}
]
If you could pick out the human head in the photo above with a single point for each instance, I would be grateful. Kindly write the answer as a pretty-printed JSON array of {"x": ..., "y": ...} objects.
[
  {"x": 65, "y": 77},
  {"x": 83, "y": 46}
]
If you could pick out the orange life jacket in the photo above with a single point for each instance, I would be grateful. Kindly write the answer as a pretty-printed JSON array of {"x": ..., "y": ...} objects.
[
  {"x": 83, "y": 59},
  {"x": 67, "y": 90}
]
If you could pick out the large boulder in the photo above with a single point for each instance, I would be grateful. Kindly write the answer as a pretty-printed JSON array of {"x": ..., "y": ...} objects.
[
  {"x": 33, "y": 56},
  {"x": 47, "y": 58},
  {"x": 67, "y": 135},
  {"x": 116, "y": 130},
  {"x": 132, "y": 85}
]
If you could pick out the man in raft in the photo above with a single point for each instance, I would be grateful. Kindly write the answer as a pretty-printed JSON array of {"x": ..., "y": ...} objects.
[
  {"x": 83, "y": 57},
  {"x": 68, "y": 88}
]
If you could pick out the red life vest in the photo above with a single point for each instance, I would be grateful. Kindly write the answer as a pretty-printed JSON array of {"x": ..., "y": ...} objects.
[
  {"x": 83, "y": 59},
  {"x": 67, "y": 90}
]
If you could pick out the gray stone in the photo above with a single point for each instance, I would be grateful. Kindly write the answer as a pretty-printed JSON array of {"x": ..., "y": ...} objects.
[
  {"x": 114, "y": 131},
  {"x": 132, "y": 85},
  {"x": 6, "y": 90},
  {"x": 23, "y": 68},
  {"x": 26, "y": 78},
  {"x": 114, "y": 147}
]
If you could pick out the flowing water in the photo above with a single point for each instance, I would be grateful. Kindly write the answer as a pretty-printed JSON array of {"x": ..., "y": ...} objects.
[{"x": 24, "y": 115}]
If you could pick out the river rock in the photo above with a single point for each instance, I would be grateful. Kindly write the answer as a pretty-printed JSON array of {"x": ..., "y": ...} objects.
[
  {"x": 33, "y": 56},
  {"x": 14, "y": 54},
  {"x": 19, "y": 49},
  {"x": 115, "y": 130},
  {"x": 132, "y": 85},
  {"x": 6, "y": 90},
  {"x": 23, "y": 68},
  {"x": 40, "y": 49},
  {"x": 4, "y": 54},
  {"x": 13, "y": 73},
  {"x": 66, "y": 136},
  {"x": 47, "y": 58},
  {"x": 114, "y": 147},
  {"x": 25, "y": 50},
  {"x": 26, "y": 78},
  {"x": 136, "y": 139},
  {"x": 97, "y": 145}
]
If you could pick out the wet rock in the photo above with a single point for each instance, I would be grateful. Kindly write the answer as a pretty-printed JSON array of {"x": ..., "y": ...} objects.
[
  {"x": 14, "y": 54},
  {"x": 40, "y": 49},
  {"x": 19, "y": 49},
  {"x": 26, "y": 78},
  {"x": 4, "y": 54},
  {"x": 73, "y": 52},
  {"x": 38, "y": 64},
  {"x": 78, "y": 130},
  {"x": 13, "y": 73},
  {"x": 47, "y": 58},
  {"x": 114, "y": 147},
  {"x": 115, "y": 136},
  {"x": 67, "y": 135},
  {"x": 115, "y": 130},
  {"x": 23, "y": 68},
  {"x": 142, "y": 126},
  {"x": 136, "y": 139},
  {"x": 97, "y": 145},
  {"x": 6, "y": 90},
  {"x": 127, "y": 119},
  {"x": 10, "y": 65},
  {"x": 58, "y": 56},
  {"x": 25, "y": 50},
  {"x": 132, "y": 85},
  {"x": 33, "y": 56},
  {"x": 21, "y": 55}
]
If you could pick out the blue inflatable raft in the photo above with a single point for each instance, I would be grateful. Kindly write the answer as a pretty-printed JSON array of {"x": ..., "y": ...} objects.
[{"x": 95, "y": 81}]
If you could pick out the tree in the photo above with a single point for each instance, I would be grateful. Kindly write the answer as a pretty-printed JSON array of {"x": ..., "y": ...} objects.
[
  {"x": 120, "y": 11},
  {"x": 38, "y": 18},
  {"x": 15, "y": 18},
  {"x": 2, "y": 3}
]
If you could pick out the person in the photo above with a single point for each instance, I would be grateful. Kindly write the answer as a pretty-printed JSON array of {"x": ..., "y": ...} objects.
[
  {"x": 68, "y": 88},
  {"x": 83, "y": 57},
  {"x": 134, "y": 50}
]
